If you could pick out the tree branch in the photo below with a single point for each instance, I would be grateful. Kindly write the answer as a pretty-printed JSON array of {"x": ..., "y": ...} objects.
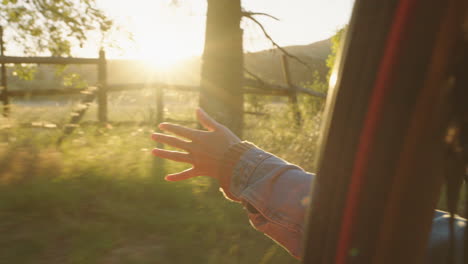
[
  {"x": 256, "y": 77},
  {"x": 249, "y": 14},
  {"x": 259, "y": 83},
  {"x": 285, "y": 52}
]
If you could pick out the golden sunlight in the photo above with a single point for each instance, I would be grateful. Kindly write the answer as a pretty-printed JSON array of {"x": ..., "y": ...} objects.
[
  {"x": 163, "y": 34},
  {"x": 161, "y": 56},
  {"x": 162, "y": 47}
]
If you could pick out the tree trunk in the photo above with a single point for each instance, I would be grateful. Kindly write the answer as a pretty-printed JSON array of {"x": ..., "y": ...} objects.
[{"x": 222, "y": 68}]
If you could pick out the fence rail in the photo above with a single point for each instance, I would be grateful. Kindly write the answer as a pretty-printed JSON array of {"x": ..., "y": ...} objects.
[
  {"x": 100, "y": 62},
  {"x": 43, "y": 92},
  {"x": 46, "y": 60},
  {"x": 264, "y": 87},
  {"x": 281, "y": 91}
]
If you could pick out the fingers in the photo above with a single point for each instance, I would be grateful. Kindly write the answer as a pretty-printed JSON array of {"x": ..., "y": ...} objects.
[
  {"x": 207, "y": 121},
  {"x": 186, "y": 174},
  {"x": 180, "y": 130},
  {"x": 170, "y": 140},
  {"x": 172, "y": 155}
]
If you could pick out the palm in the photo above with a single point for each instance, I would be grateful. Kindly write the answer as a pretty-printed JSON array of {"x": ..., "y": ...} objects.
[{"x": 203, "y": 149}]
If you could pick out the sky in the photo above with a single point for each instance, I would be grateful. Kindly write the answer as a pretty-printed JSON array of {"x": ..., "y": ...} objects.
[{"x": 167, "y": 31}]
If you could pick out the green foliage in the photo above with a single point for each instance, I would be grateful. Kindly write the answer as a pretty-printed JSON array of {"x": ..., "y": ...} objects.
[
  {"x": 70, "y": 79},
  {"x": 255, "y": 103},
  {"x": 310, "y": 104},
  {"x": 336, "y": 40},
  {"x": 25, "y": 72},
  {"x": 52, "y": 26},
  {"x": 74, "y": 80}
]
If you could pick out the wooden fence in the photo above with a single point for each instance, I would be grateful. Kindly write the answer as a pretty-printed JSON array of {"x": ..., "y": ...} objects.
[{"x": 251, "y": 86}]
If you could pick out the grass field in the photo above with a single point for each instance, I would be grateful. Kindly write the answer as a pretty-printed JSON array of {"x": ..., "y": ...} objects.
[{"x": 100, "y": 197}]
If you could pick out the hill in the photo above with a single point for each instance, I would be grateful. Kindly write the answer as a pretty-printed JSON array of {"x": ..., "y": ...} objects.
[{"x": 265, "y": 64}]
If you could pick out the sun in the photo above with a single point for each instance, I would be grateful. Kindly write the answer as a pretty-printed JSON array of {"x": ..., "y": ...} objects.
[
  {"x": 160, "y": 54},
  {"x": 162, "y": 60},
  {"x": 161, "y": 33},
  {"x": 164, "y": 45}
]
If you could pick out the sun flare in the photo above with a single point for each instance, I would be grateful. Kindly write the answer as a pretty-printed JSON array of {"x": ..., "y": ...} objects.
[
  {"x": 161, "y": 50},
  {"x": 164, "y": 48},
  {"x": 161, "y": 60}
]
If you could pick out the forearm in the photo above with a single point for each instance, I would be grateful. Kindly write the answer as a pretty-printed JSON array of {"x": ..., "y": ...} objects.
[{"x": 274, "y": 193}]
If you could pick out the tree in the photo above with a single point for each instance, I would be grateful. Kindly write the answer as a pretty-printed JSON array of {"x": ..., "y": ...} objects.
[
  {"x": 51, "y": 26},
  {"x": 222, "y": 68}
]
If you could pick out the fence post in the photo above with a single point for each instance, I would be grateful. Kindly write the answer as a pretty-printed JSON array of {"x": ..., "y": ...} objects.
[
  {"x": 292, "y": 90},
  {"x": 159, "y": 104},
  {"x": 3, "y": 84},
  {"x": 102, "y": 87},
  {"x": 159, "y": 169}
]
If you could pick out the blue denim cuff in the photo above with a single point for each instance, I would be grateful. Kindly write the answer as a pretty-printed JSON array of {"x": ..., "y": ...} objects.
[{"x": 244, "y": 169}]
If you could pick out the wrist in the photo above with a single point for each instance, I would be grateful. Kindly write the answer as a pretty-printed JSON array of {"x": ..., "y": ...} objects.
[{"x": 229, "y": 160}]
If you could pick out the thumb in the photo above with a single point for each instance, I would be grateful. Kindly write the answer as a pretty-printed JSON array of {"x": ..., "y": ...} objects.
[
  {"x": 183, "y": 175},
  {"x": 207, "y": 121}
]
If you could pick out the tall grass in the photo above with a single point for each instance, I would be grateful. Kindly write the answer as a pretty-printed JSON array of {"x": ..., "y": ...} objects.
[{"x": 100, "y": 197}]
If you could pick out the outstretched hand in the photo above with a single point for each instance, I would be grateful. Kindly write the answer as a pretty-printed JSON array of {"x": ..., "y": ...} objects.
[{"x": 203, "y": 149}]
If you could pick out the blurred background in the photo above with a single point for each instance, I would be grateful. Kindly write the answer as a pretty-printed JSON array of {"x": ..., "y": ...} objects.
[{"x": 77, "y": 181}]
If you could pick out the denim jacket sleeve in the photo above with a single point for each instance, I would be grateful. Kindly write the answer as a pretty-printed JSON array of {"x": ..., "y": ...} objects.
[{"x": 275, "y": 194}]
